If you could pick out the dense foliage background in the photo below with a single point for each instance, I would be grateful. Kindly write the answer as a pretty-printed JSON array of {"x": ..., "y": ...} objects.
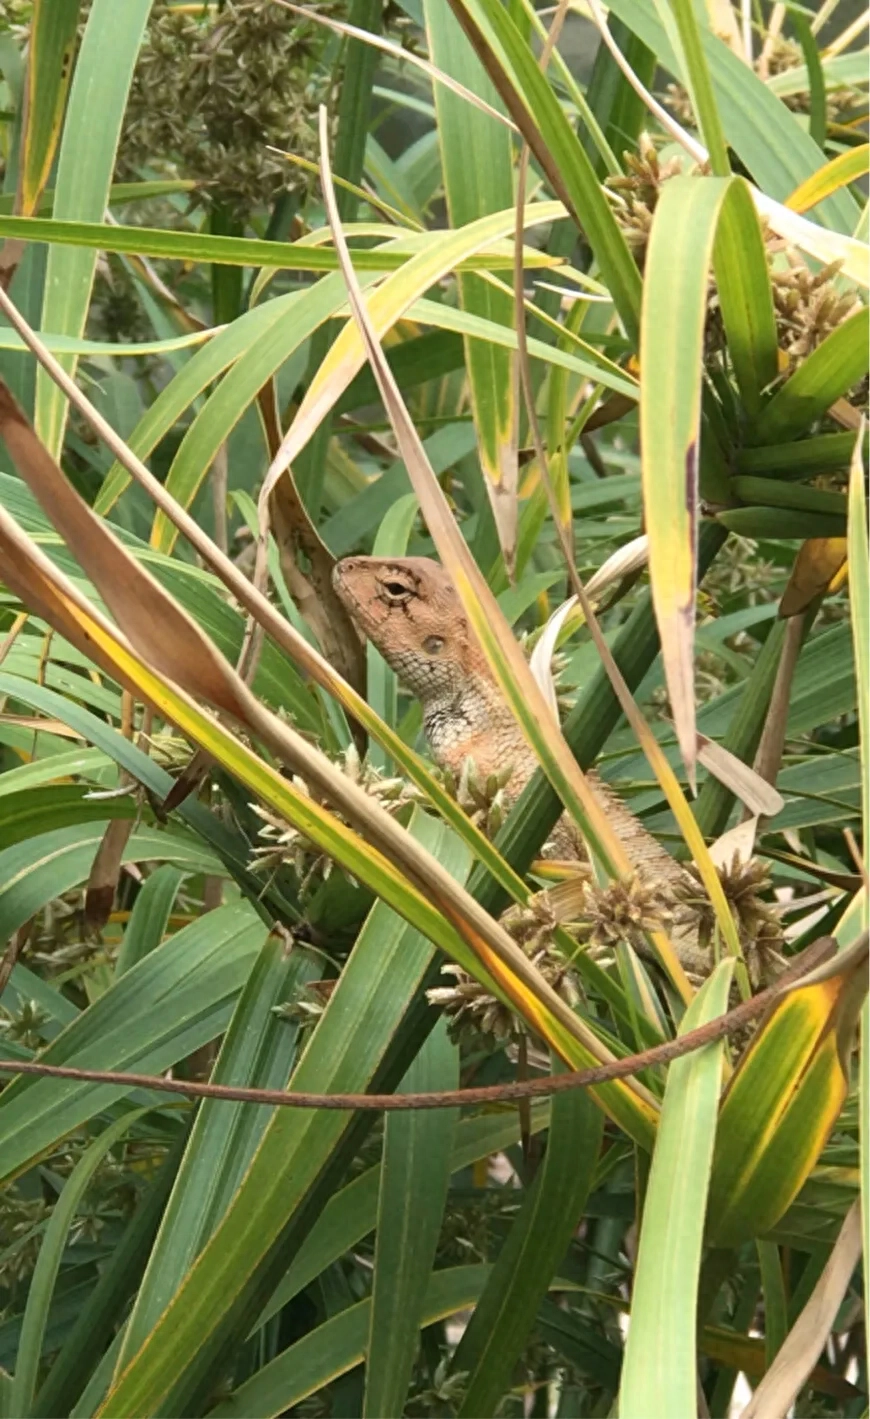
[{"x": 673, "y": 404}]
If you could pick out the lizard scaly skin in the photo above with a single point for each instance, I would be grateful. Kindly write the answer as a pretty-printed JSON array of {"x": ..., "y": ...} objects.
[{"x": 410, "y": 610}]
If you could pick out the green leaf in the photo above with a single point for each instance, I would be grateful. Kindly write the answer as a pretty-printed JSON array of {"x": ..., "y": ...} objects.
[
  {"x": 243, "y": 251},
  {"x": 531, "y": 102},
  {"x": 230, "y": 847},
  {"x": 766, "y": 137},
  {"x": 57, "y": 766},
  {"x": 816, "y": 76},
  {"x": 859, "y": 606},
  {"x": 237, "y": 391},
  {"x": 49, "y": 71},
  {"x": 338, "y": 1346},
  {"x": 36, "y": 870},
  {"x": 195, "y": 376},
  {"x": 659, "y": 1375},
  {"x": 149, "y": 919},
  {"x": 414, "y": 1177},
  {"x": 600, "y": 370},
  {"x": 533, "y": 1249},
  {"x": 697, "y": 77},
  {"x": 84, "y": 178},
  {"x": 681, "y": 247},
  {"x": 84, "y": 1350},
  {"x": 48, "y": 1262},
  {"x": 233, "y": 1275},
  {"x": 477, "y": 163},
  {"x": 351, "y": 1213},
  {"x": 175, "y": 1000},
  {"x": 258, "y": 1051},
  {"x": 826, "y": 374},
  {"x": 33, "y": 811}
]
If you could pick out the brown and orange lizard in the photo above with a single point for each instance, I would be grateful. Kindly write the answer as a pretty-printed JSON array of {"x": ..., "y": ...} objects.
[{"x": 410, "y": 610}]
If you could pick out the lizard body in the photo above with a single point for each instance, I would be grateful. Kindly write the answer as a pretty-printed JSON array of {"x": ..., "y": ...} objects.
[{"x": 410, "y": 610}]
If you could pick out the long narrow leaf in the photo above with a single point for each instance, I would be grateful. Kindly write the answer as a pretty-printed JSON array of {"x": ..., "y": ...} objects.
[
  {"x": 84, "y": 177},
  {"x": 659, "y": 1372}
]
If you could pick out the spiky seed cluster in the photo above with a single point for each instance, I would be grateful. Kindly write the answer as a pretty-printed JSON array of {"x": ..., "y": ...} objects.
[
  {"x": 636, "y": 194},
  {"x": 285, "y": 844},
  {"x": 472, "y": 1011},
  {"x": 482, "y": 799},
  {"x": 624, "y": 910},
  {"x": 24, "y": 1025},
  {"x": 840, "y": 99},
  {"x": 808, "y": 305},
  {"x": 214, "y": 87},
  {"x": 761, "y": 938}
]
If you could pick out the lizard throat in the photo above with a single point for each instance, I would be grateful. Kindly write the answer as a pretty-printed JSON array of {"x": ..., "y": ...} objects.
[{"x": 474, "y": 724}]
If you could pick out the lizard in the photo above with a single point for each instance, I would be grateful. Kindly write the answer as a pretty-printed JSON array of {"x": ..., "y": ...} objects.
[{"x": 410, "y": 610}]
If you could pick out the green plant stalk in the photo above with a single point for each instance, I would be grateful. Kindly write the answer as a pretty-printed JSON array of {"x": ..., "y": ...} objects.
[
  {"x": 715, "y": 801},
  {"x": 816, "y": 75},
  {"x": 697, "y": 77},
  {"x": 619, "y": 110},
  {"x": 354, "y": 114},
  {"x": 772, "y": 492},
  {"x": 781, "y": 523}
]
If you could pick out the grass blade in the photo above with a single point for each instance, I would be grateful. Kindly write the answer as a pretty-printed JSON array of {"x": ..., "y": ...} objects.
[
  {"x": 846, "y": 167},
  {"x": 529, "y": 98},
  {"x": 829, "y": 372},
  {"x": 782, "y": 1103},
  {"x": 675, "y": 300},
  {"x": 49, "y": 73},
  {"x": 84, "y": 177},
  {"x": 260, "y": 1050},
  {"x": 767, "y": 138},
  {"x": 697, "y": 77},
  {"x": 859, "y": 606},
  {"x": 659, "y": 1376},
  {"x": 477, "y": 163},
  {"x": 173, "y": 1002},
  {"x": 272, "y": 1207},
  {"x": 49, "y": 1260},
  {"x": 414, "y": 1176},
  {"x": 243, "y": 251},
  {"x": 533, "y": 1249},
  {"x": 338, "y": 1346}
]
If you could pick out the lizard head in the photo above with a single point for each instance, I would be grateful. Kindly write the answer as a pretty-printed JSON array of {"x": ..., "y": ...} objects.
[{"x": 409, "y": 609}]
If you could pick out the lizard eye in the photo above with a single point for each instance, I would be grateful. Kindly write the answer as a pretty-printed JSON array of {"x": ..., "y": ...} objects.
[
  {"x": 432, "y": 644},
  {"x": 395, "y": 592}
]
